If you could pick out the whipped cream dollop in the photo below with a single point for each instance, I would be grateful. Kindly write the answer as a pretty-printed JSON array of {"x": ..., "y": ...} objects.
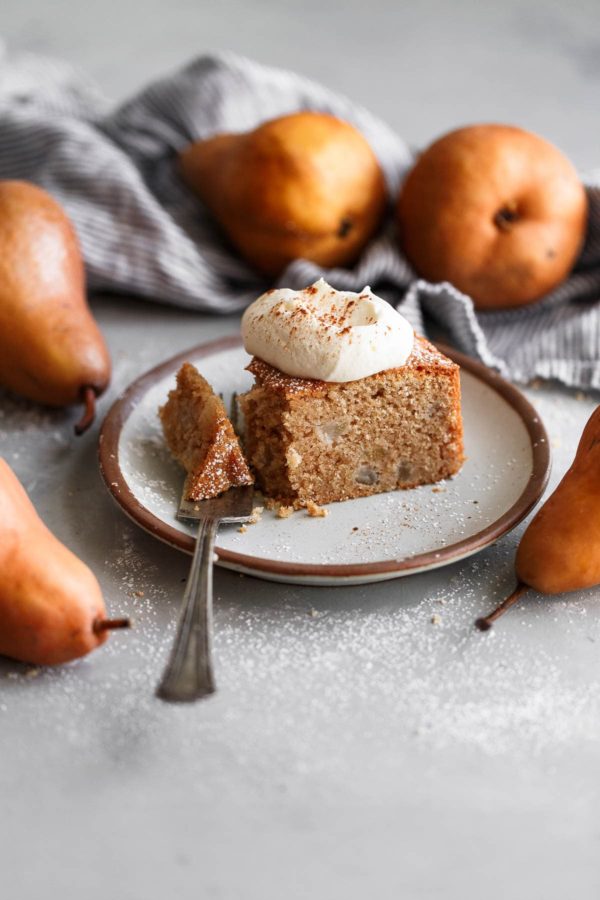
[{"x": 326, "y": 334}]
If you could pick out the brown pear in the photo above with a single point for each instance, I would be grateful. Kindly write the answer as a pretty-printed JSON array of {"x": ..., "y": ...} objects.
[
  {"x": 560, "y": 549},
  {"x": 306, "y": 185},
  {"x": 51, "y": 606},
  {"x": 498, "y": 211},
  {"x": 51, "y": 349}
]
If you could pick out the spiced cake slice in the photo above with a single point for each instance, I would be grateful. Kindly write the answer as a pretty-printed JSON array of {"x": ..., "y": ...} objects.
[
  {"x": 322, "y": 441},
  {"x": 201, "y": 437}
]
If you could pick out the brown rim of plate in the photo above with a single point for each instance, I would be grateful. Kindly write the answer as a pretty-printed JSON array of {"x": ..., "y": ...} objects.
[{"x": 118, "y": 487}]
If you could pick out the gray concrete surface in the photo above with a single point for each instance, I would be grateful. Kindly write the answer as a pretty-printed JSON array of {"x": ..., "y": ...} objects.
[{"x": 363, "y": 751}]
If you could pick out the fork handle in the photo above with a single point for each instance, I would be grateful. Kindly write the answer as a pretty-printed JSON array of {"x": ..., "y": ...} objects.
[{"x": 188, "y": 675}]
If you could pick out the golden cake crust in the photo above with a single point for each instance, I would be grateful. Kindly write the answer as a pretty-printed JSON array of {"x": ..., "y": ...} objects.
[
  {"x": 423, "y": 355},
  {"x": 201, "y": 437}
]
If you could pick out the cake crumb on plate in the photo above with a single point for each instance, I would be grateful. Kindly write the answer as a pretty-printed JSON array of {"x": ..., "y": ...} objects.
[
  {"x": 256, "y": 516},
  {"x": 317, "y": 512},
  {"x": 284, "y": 512}
]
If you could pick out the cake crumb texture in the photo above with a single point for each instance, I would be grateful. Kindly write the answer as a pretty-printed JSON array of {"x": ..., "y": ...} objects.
[
  {"x": 201, "y": 437},
  {"x": 315, "y": 511},
  {"x": 319, "y": 441},
  {"x": 284, "y": 512},
  {"x": 256, "y": 516}
]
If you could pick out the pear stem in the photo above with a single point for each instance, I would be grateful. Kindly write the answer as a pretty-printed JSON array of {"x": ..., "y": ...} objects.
[
  {"x": 486, "y": 622},
  {"x": 89, "y": 413},
  {"x": 101, "y": 625}
]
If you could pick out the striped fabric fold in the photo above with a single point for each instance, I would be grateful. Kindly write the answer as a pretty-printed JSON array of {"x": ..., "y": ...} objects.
[{"x": 143, "y": 233}]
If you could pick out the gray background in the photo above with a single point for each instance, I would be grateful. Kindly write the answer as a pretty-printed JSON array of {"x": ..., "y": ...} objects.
[{"x": 362, "y": 751}]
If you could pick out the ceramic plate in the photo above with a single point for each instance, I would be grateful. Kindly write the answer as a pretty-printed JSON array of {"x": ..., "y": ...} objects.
[{"x": 364, "y": 540}]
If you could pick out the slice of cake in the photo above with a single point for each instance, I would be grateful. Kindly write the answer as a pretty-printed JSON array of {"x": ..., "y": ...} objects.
[
  {"x": 201, "y": 437},
  {"x": 381, "y": 412}
]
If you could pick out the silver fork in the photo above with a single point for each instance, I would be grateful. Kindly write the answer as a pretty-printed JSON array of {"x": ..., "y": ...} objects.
[{"x": 189, "y": 674}]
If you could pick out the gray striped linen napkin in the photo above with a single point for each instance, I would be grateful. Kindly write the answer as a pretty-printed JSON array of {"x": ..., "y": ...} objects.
[{"x": 143, "y": 232}]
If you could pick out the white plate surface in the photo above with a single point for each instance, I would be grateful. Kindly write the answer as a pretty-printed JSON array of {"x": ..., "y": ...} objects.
[{"x": 406, "y": 531}]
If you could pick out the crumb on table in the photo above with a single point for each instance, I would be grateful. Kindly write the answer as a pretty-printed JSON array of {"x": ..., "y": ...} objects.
[{"x": 284, "y": 512}]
